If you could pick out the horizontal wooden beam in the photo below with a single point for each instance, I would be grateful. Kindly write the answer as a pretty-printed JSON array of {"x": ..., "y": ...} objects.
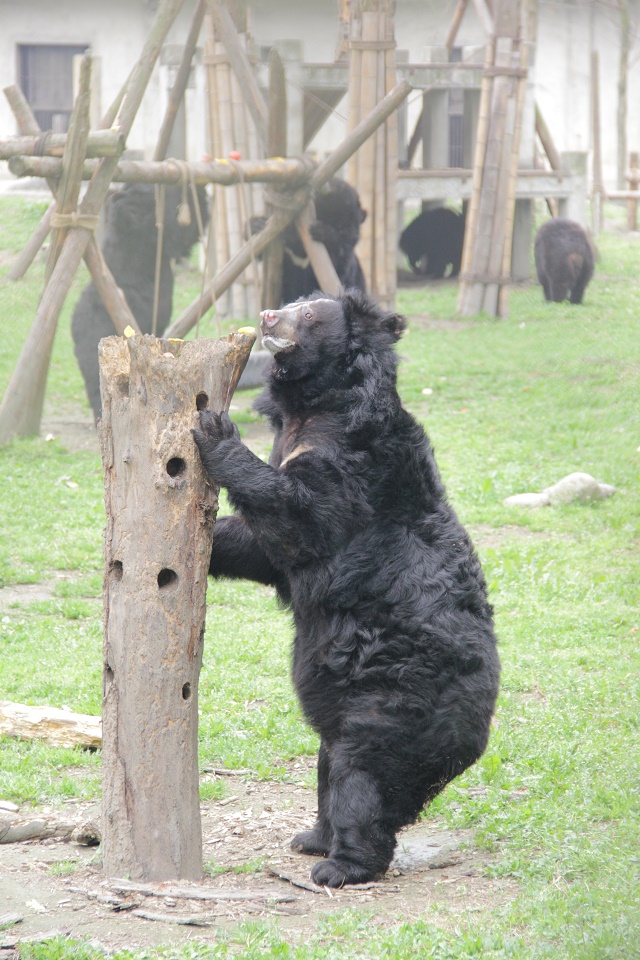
[
  {"x": 456, "y": 184},
  {"x": 100, "y": 143},
  {"x": 284, "y": 171}
]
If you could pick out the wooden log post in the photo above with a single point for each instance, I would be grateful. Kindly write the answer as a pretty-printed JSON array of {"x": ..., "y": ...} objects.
[
  {"x": 160, "y": 517},
  {"x": 633, "y": 181},
  {"x": 276, "y": 147}
]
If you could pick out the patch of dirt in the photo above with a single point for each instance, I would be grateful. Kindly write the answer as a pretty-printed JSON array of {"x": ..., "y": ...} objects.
[
  {"x": 58, "y": 885},
  {"x": 484, "y": 535},
  {"x": 33, "y": 592},
  {"x": 427, "y": 322}
]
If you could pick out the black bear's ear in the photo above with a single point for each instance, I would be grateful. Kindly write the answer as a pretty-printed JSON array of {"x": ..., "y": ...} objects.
[
  {"x": 363, "y": 215},
  {"x": 395, "y": 325}
]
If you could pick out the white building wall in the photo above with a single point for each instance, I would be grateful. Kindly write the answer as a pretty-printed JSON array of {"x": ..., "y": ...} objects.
[{"x": 568, "y": 30}]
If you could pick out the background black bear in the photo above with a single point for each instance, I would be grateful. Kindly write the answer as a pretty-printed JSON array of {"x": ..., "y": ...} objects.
[
  {"x": 130, "y": 251},
  {"x": 564, "y": 260},
  {"x": 433, "y": 241},
  {"x": 394, "y": 656},
  {"x": 337, "y": 225}
]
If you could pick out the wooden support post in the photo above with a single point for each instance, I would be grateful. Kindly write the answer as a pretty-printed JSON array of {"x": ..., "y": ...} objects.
[
  {"x": 157, "y": 553},
  {"x": 176, "y": 95},
  {"x": 458, "y": 14},
  {"x": 280, "y": 219},
  {"x": 489, "y": 228},
  {"x": 239, "y": 61},
  {"x": 20, "y": 413},
  {"x": 598, "y": 191},
  {"x": 374, "y": 170},
  {"x": 633, "y": 181},
  {"x": 276, "y": 147},
  {"x": 111, "y": 294},
  {"x": 328, "y": 280}
]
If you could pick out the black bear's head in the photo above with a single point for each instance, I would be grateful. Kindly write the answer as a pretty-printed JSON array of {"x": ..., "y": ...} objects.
[{"x": 328, "y": 337}]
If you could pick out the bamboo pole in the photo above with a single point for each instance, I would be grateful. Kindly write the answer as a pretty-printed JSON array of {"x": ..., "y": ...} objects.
[
  {"x": 72, "y": 161},
  {"x": 598, "y": 191},
  {"x": 544, "y": 135},
  {"x": 19, "y": 415},
  {"x": 176, "y": 95},
  {"x": 279, "y": 220},
  {"x": 503, "y": 293},
  {"x": 458, "y": 14},
  {"x": 239, "y": 62},
  {"x": 100, "y": 143},
  {"x": 110, "y": 293},
  {"x": 276, "y": 147},
  {"x": 28, "y": 126}
]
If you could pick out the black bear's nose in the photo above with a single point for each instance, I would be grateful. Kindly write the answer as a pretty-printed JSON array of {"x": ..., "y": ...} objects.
[{"x": 269, "y": 318}]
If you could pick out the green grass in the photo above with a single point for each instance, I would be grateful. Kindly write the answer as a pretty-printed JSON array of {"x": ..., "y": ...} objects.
[{"x": 514, "y": 405}]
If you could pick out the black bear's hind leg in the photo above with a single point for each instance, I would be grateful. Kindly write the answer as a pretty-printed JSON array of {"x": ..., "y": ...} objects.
[
  {"x": 317, "y": 842},
  {"x": 363, "y": 843}
]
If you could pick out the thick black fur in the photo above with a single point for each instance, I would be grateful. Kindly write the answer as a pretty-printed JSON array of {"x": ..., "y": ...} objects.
[
  {"x": 337, "y": 225},
  {"x": 564, "y": 260},
  {"x": 130, "y": 251},
  {"x": 433, "y": 242},
  {"x": 394, "y": 657}
]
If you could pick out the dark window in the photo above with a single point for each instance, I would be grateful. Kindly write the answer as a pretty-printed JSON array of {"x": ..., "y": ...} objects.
[{"x": 46, "y": 78}]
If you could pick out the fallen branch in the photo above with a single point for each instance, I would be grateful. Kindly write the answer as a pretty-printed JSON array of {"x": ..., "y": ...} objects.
[
  {"x": 59, "y": 728},
  {"x": 11, "y": 832},
  {"x": 196, "y": 893}
]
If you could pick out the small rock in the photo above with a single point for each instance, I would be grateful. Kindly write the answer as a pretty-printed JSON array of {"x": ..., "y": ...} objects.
[{"x": 88, "y": 834}]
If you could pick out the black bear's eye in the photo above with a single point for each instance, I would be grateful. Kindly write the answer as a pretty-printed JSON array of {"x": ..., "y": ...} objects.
[{"x": 308, "y": 315}]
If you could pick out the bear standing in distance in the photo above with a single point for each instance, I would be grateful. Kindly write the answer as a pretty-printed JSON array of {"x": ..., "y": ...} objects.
[
  {"x": 564, "y": 260},
  {"x": 130, "y": 251},
  {"x": 433, "y": 242},
  {"x": 394, "y": 656}
]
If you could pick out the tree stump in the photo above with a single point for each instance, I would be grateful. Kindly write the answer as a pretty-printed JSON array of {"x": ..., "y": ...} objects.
[{"x": 159, "y": 531}]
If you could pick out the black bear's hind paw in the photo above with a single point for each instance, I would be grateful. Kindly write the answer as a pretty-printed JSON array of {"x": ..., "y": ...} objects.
[
  {"x": 312, "y": 842},
  {"x": 337, "y": 873}
]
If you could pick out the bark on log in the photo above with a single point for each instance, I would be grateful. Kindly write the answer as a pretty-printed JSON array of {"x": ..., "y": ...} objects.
[
  {"x": 160, "y": 515},
  {"x": 59, "y": 728}
]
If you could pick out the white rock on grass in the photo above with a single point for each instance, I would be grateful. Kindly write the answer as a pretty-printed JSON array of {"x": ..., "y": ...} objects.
[{"x": 576, "y": 486}]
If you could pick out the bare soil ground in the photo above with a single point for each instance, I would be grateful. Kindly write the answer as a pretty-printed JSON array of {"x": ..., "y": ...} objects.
[{"x": 57, "y": 885}]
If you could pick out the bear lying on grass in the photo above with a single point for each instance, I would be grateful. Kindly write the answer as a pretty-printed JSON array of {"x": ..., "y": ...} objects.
[
  {"x": 564, "y": 260},
  {"x": 394, "y": 657},
  {"x": 130, "y": 251}
]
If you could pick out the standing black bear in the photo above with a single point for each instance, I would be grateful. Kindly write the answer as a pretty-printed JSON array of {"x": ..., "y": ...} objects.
[
  {"x": 337, "y": 225},
  {"x": 394, "y": 658},
  {"x": 130, "y": 251},
  {"x": 564, "y": 260},
  {"x": 433, "y": 241}
]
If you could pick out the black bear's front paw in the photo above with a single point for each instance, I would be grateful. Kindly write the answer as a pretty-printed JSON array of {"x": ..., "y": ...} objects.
[
  {"x": 338, "y": 872},
  {"x": 314, "y": 842},
  {"x": 213, "y": 438}
]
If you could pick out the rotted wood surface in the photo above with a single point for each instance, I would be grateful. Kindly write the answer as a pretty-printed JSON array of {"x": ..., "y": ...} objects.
[{"x": 160, "y": 516}]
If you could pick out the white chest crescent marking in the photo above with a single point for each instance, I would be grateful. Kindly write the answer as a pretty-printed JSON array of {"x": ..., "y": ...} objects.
[{"x": 303, "y": 448}]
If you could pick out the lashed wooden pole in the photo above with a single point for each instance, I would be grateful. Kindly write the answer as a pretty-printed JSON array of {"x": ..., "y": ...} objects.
[
  {"x": 160, "y": 511},
  {"x": 280, "y": 219},
  {"x": 20, "y": 411}
]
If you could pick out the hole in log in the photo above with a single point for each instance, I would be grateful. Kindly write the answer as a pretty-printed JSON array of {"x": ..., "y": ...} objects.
[
  {"x": 186, "y": 691},
  {"x": 202, "y": 401},
  {"x": 122, "y": 385},
  {"x": 166, "y": 578},
  {"x": 116, "y": 569},
  {"x": 176, "y": 466},
  {"x": 108, "y": 673}
]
